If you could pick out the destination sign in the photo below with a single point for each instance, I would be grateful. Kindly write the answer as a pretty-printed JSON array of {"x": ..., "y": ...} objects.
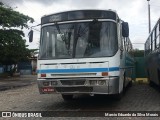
[{"x": 79, "y": 15}]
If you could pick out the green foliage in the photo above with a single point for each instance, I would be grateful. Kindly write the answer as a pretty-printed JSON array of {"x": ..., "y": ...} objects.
[
  {"x": 10, "y": 18},
  {"x": 12, "y": 44},
  {"x": 137, "y": 53}
]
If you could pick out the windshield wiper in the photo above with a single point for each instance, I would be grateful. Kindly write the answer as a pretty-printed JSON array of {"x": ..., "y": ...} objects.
[
  {"x": 64, "y": 37},
  {"x": 79, "y": 32},
  {"x": 59, "y": 31}
]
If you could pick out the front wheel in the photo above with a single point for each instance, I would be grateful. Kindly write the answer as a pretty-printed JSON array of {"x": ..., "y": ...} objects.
[
  {"x": 130, "y": 84},
  {"x": 120, "y": 95},
  {"x": 67, "y": 97}
]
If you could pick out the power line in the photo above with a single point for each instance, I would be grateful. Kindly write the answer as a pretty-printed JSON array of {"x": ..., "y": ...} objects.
[{"x": 35, "y": 29}]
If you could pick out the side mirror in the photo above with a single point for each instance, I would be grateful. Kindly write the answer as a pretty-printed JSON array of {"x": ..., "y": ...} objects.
[
  {"x": 125, "y": 29},
  {"x": 30, "y": 34}
]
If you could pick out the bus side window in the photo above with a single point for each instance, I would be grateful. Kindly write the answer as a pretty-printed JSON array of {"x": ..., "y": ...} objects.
[
  {"x": 157, "y": 37},
  {"x": 153, "y": 41},
  {"x": 125, "y": 43},
  {"x": 122, "y": 43},
  {"x": 151, "y": 38},
  {"x": 121, "y": 38},
  {"x": 158, "y": 32}
]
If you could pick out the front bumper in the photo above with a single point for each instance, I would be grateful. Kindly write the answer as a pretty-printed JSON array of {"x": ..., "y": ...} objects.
[{"x": 109, "y": 85}]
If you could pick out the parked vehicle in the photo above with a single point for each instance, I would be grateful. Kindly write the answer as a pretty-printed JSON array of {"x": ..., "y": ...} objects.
[
  {"x": 152, "y": 54},
  {"x": 84, "y": 52}
]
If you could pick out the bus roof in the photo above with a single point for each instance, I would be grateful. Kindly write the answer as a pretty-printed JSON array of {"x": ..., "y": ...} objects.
[
  {"x": 79, "y": 15},
  {"x": 78, "y": 10}
]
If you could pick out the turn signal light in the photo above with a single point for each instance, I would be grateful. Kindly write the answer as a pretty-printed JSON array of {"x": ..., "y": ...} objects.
[{"x": 104, "y": 73}]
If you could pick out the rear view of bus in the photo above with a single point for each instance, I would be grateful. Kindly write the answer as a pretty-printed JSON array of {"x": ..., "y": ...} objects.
[{"x": 83, "y": 52}]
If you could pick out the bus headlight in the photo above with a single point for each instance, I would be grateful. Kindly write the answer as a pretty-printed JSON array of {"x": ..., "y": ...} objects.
[
  {"x": 97, "y": 82},
  {"x": 54, "y": 82},
  {"x": 93, "y": 82},
  {"x": 101, "y": 82},
  {"x": 46, "y": 83},
  {"x": 49, "y": 83}
]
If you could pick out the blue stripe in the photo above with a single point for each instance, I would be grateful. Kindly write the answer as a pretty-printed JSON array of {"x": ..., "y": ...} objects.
[
  {"x": 78, "y": 70},
  {"x": 114, "y": 69}
]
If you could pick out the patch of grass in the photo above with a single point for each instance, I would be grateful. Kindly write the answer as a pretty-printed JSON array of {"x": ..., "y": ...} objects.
[{"x": 142, "y": 80}]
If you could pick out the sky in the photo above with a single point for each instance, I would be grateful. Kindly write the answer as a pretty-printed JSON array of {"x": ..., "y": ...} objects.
[{"x": 135, "y": 12}]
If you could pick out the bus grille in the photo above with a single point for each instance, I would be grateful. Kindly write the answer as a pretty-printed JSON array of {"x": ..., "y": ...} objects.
[
  {"x": 72, "y": 82},
  {"x": 79, "y": 74},
  {"x": 74, "y": 89}
]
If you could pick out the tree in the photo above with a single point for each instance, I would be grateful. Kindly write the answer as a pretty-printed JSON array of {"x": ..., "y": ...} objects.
[
  {"x": 137, "y": 53},
  {"x": 12, "y": 44}
]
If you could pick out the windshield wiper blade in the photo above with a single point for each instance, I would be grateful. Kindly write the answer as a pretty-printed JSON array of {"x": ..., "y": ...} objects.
[{"x": 59, "y": 31}]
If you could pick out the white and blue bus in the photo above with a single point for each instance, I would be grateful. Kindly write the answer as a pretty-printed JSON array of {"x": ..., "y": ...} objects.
[
  {"x": 84, "y": 52},
  {"x": 152, "y": 54}
]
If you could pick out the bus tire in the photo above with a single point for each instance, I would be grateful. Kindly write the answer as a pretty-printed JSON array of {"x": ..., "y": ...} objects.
[
  {"x": 149, "y": 80},
  {"x": 119, "y": 96},
  {"x": 67, "y": 97},
  {"x": 130, "y": 84},
  {"x": 151, "y": 84},
  {"x": 124, "y": 82},
  {"x": 158, "y": 79}
]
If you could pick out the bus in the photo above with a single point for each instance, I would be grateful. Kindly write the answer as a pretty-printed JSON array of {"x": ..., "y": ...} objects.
[
  {"x": 84, "y": 52},
  {"x": 152, "y": 54}
]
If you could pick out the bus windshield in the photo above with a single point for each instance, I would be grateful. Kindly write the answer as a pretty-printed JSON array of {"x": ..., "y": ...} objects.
[{"x": 79, "y": 40}]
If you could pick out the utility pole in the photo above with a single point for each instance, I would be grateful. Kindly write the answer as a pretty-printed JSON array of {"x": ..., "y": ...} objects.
[{"x": 149, "y": 17}]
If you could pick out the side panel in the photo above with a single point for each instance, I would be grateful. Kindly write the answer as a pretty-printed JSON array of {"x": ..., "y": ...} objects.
[
  {"x": 153, "y": 68},
  {"x": 126, "y": 61}
]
